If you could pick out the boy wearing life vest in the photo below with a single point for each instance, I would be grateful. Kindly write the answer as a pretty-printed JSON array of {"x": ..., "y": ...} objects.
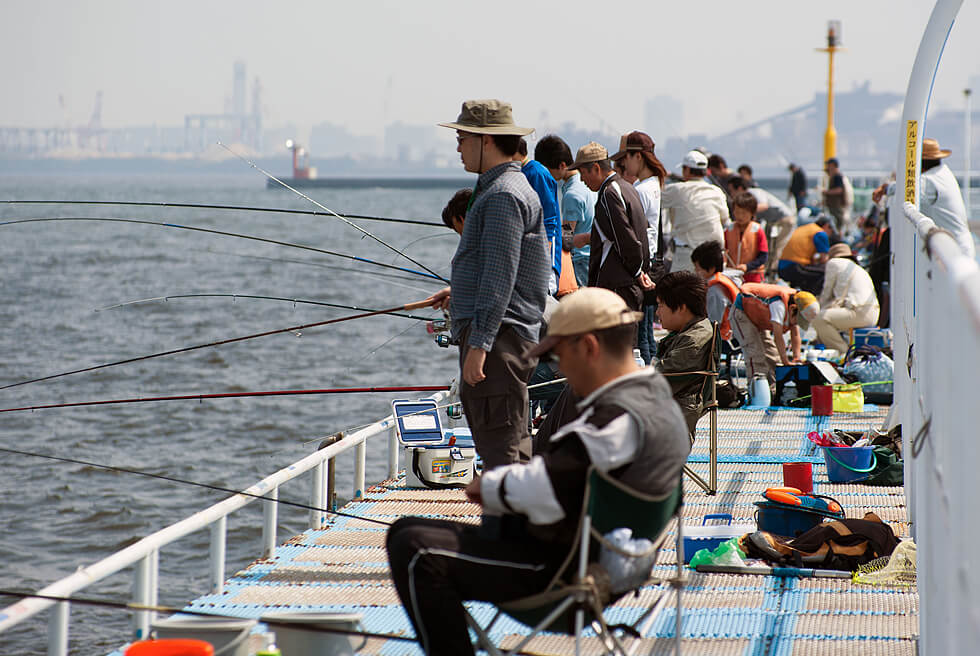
[
  {"x": 709, "y": 262},
  {"x": 746, "y": 248},
  {"x": 762, "y": 314}
]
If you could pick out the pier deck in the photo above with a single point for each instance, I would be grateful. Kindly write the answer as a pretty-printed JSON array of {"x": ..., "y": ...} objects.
[{"x": 343, "y": 568}]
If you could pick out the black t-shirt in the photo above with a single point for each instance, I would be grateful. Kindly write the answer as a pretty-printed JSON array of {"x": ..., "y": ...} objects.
[{"x": 836, "y": 181}]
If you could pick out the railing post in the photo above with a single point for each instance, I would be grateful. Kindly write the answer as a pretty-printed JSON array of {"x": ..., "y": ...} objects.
[
  {"x": 58, "y": 629},
  {"x": 360, "y": 461},
  {"x": 270, "y": 523},
  {"x": 317, "y": 496},
  {"x": 219, "y": 531},
  {"x": 393, "y": 447},
  {"x": 142, "y": 591}
]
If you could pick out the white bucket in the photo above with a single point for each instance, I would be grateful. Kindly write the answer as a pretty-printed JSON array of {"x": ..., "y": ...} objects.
[
  {"x": 228, "y": 636},
  {"x": 294, "y": 639}
]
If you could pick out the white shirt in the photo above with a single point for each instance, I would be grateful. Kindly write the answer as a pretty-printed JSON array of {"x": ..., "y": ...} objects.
[
  {"x": 777, "y": 209},
  {"x": 699, "y": 212},
  {"x": 942, "y": 202},
  {"x": 649, "y": 192},
  {"x": 845, "y": 283}
]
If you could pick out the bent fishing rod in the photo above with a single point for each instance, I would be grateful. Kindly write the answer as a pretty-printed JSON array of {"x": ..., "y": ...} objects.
[
  {"x": 181, "y": 481},
  {"x": 223, "y": 233},
  {"x": 407, "y": 307},
  {"x": 205, "y": 206},
  {"x": 294, "y": 301},
  {"x": 330, "y": 211},
  {"x": 234, "y": 395}
]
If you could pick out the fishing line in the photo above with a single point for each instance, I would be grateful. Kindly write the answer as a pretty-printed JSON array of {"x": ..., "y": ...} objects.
[
  {"x": 381, "y": 346},
  {"x": 232, "y": 395},
  {"x": 388, "y": 277},
  {"x": 181, "y": 481},
  {"x": 226, "y": 234},
  {"x": 217, "y": 207},
  {"x": 327, "y": 209},
  {"x": 294, "y": 301},
  {"x": 292, "y": 329}
]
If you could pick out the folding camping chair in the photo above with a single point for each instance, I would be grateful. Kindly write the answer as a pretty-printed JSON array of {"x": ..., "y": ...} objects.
[
  {"x": 709, "y": 406},
  {"x": 568, "y": 601}
]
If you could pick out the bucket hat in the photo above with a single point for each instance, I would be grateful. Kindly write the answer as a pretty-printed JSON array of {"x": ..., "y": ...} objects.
[
  {"x": 584, "y": 311},
  {"x": 590, "y": 152},
  {"x": 487, "y": 117},
  {"x": 633, "y": 142},
  {"x": 840, "y": 250},
  {"x": 931, "y": 150}
]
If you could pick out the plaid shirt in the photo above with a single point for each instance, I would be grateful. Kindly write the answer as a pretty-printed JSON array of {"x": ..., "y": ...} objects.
[{"x": 501, "y": 267}]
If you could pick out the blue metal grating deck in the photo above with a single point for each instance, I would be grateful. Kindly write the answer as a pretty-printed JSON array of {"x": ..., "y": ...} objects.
[{"x": 343, "y": 568}]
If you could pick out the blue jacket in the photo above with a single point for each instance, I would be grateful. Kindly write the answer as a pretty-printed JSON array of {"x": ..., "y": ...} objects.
[{"x": 547, "y": 189}]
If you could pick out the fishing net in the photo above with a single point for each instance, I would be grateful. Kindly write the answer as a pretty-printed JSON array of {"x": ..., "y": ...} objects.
[{"x": 895, "y": 570}]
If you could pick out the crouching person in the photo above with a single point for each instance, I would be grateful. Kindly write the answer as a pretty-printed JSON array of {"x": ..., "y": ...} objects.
[
  {"x": 687, "y": 347},
  {"x": 628, "y": 426}
]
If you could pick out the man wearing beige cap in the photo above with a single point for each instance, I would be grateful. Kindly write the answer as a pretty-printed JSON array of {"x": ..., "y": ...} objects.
[
  {"x": 499, "y": 283},
  {"x": 629, "y": 428},
  {"x": 847, "y": 300},
  {"x": 619, "y": 255},
  {"x": 699, "y": 210}
]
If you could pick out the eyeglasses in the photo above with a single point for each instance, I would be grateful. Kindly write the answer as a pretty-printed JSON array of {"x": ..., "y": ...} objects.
[{"x": 460, "y": 138}]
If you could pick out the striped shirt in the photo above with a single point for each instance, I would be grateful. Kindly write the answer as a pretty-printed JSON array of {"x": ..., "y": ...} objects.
[{"x": 502, "y": 264}]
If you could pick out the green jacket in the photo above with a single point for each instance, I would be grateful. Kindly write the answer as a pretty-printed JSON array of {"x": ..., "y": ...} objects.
[{"x": 687, "y": 350}]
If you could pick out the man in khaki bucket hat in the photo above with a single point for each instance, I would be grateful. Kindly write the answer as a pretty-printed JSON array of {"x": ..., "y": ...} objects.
[{"x": 498, "y": 285}]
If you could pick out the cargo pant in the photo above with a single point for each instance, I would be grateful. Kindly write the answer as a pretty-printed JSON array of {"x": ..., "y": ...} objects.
[{"x": 497, "y": 408}]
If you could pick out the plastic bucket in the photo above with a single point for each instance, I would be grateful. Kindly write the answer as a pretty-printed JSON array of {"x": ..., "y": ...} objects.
[
  {"x": 170, "y": 647},
  {"x": 294, "y": 638},
  {"x": 787, "y": 522},
  {"x": 847, "y": 464},
  {"x": 229, "y": 636},
  {"x": 822, "y": 400},
  {"x": 798, "y": 475}
]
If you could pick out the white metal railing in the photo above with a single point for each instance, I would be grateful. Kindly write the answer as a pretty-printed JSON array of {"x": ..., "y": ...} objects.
[
  {"x": 144, "y": 554},
  {"x": 936, "y": 321}
]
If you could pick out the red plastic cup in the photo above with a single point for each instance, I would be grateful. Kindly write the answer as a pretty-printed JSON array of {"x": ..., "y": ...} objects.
[
  {"x": 822, "y": 400},
  {"x": 798, "y": 475}
]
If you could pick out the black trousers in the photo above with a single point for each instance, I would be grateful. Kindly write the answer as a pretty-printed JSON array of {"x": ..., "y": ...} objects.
[
  {"x": 438, "y": 564},
  {"x": 808, "y": 278}
]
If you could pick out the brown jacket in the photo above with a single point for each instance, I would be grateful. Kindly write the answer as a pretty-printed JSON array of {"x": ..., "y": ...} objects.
[{"x": 619, "y": 231}]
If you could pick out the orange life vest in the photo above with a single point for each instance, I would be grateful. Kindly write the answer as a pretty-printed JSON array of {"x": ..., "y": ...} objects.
[
  {"x": 745, "y": 249},
  {"x": 566, "y": 281},
  {"x": 731, "y": 291},
  {"x": 755, "y": 300},
  {"x": 800, "y": 248}
]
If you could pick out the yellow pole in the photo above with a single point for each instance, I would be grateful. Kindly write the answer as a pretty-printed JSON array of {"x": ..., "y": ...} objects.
[{"x": 830, "y": 136}]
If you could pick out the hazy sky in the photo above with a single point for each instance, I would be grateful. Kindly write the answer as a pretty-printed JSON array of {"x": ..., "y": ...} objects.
[{"x": 362, "y": 64}]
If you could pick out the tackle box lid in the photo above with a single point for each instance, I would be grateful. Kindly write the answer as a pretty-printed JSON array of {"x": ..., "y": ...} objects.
[{"x": 417, "y": 422}]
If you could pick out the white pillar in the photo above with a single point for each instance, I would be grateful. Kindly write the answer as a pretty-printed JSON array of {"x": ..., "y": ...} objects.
[{"x": 967, "y": 143}]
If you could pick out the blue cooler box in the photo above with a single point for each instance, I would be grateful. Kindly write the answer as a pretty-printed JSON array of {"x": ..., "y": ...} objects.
[{"x": 711, "y": 536}]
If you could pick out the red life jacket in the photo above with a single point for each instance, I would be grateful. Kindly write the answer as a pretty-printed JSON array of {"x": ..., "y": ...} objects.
[
  {"x": 756, "y": 297},
  {"x": 744, "y": 249}
]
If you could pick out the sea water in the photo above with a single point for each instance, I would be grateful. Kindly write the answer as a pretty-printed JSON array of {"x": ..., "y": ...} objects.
[{"x": 56, "y": 275}]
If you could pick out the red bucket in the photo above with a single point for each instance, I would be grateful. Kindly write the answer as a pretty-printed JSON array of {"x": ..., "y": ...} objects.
[
  {"x": 170, "y": 647},
  {"x": 822, "y": 400},
  {"x": 798, "y": 475}
]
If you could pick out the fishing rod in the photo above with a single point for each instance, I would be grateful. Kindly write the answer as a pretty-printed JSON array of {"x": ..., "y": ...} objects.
[
  {"x": 181, "y": 481},
  {"x": 330, "y": 211},
  {"x": 294, "y": 301},
  {"x": 225, "y": 234},
  {"x": 205, "y": 206},
  {"x": 232, "y": 395},
  {"x": 156, "y": 608},
  {"x": 409, "y": 306}
]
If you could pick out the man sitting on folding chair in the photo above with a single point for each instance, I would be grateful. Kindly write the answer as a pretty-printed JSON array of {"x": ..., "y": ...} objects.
[{"x": 629, "y": 429}]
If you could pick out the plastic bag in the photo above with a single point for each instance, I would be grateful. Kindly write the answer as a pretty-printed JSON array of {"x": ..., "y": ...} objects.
[
  {"x": 627, "y": 572},
  {"x": 848, "y": 398},
  {"x": 726, "y": 553},
  {"x": 872, "y": 369}
]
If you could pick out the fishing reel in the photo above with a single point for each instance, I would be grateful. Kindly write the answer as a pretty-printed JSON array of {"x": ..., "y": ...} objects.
[{"x": 440, "y": 328}]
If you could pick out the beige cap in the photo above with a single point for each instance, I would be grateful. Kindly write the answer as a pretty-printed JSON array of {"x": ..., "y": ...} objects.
[
  {"x": 590, "y": 152},
  {"x": 487, "y": 117},
  {"x": 931, "y": 150},
  {"x": 840, "y": 249},
  {"x": 583, "y": 311}
]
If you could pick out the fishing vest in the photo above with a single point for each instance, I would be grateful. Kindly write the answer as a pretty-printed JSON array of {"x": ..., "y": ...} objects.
[
  {"x": 754, "y": 300},
  {"x": 745, "y": 249},
  {"x": 731, "y": 291},
  {"x": 800, "y": 248},
  {"x": 664, "y": 445}
]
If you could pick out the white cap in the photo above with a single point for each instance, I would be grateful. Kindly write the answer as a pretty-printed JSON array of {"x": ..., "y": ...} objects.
[{"x": 695, "y": 159}]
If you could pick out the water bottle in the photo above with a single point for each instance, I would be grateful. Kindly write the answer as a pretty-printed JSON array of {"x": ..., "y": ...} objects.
[
  {"x": 638, "y": 358},
  {"x": 789, "y": 393},
  {"x": 760, "y": 391}
]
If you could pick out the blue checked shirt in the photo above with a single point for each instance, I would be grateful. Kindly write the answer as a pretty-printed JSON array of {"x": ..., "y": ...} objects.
[{"x": 501, "y": 266}]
